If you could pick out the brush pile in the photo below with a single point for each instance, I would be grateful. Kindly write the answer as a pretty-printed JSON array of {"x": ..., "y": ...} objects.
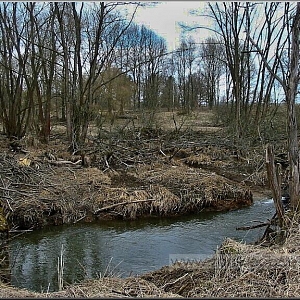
[
  {"x": 130, "y": 174},
  {"x": 35, "y": 193}
]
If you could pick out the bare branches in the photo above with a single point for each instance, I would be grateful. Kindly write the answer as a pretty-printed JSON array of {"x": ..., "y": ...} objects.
[{"x": 280, "y": 80}]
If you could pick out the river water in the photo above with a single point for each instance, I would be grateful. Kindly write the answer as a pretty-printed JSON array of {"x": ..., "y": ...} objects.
[{"x": 126, "y": 248}]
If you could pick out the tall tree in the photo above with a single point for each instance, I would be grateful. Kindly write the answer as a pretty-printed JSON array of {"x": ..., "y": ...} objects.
[
  {"x": 185, "y": 63},
  {"x": 212, "y": 65},
  {"x": 288, "y": 27},
  {"x": 92, "y": 40},
  {"x": 14, "y": 56}
]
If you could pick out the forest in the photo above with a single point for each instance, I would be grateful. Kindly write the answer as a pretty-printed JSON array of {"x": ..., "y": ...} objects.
[
  {"x": 100, "y": 121},
  {"x": 78, "y": 62}
]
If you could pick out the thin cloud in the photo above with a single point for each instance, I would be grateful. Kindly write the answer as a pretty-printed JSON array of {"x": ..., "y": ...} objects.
[{"x": 165, "y": 19}]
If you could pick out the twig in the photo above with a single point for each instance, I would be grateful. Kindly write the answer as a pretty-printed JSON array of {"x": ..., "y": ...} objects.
[
  {"x": 72, "y": 173},
  {"x": 64, "y": 162},
  {"x": 106, "y": 162},
  {"x": 122, "y": 203},
  {"x": 253, "y": 226},
  {"x": 5, "y": 197},
  {"x": 171, "y": 283},
  {"x": 162, "y": 153},
  {"x": 15, "y": 191},
  {"x": 76, "y": 221}
]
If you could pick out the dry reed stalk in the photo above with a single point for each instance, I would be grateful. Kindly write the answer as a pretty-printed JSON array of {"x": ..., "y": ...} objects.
[{"x": 60, "y": 269}]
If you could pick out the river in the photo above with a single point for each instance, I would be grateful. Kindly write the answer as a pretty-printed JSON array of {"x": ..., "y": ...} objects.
[{"x": 126, "y": 248}]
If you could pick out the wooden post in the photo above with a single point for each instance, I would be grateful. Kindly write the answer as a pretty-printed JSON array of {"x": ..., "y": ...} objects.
[{"x": 274, "y": 177}]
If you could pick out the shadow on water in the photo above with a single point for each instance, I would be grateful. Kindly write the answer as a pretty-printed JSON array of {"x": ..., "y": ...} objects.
[{"x": 125, "y": 248}]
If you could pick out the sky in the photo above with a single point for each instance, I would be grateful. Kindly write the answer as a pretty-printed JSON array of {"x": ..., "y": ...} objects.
[{"x": 164, "y": 18}]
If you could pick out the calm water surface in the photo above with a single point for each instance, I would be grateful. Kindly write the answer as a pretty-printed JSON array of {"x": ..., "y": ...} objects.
[{"x": 125, "y": 248}]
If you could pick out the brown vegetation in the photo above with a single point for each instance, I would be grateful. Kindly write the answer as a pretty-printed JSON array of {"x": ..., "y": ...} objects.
[
  {"x": 138, "y": 173},
  {"x": 157, "y": 173},
  {"x": 237, "y": 270}
]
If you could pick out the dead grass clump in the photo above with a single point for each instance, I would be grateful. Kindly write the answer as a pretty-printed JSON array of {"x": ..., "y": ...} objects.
[
  {"x": 122, "y": 202},
  {"x": 37, "y": 194},
  {"x": 131, "y": 204},
  {"x": 109, "y": 287},
  {"x": 165, "y": 202},
  {"x": 29, "y": 213},
  {"x": 182, "y": 277},
  {"x": 93, "y": 177},
  {"x": 7, "y": 291},
  {"x": 134, "y": 209},
  {"x": 237, "y": 270},
  {"x": 196, "y": 188},
  {"x": 204, "y": 160},
  {"x": 252, "y": 271}
]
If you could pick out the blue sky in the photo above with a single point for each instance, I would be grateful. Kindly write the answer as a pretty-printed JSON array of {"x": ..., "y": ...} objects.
[{"x": 164, "y": 18}]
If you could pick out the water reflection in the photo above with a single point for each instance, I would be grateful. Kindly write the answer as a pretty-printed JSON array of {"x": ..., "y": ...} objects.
[{"x": 125, "y": 248}]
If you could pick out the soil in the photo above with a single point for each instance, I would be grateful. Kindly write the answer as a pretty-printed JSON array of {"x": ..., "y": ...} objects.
[{"x": 130, "y": 171}]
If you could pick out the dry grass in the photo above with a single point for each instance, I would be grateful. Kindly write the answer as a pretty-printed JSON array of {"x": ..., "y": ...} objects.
[
  {"x": 102, "y": 288},
  {"x": 196, "y": 188},
  {"x": 184, "y": 168},
  {"x": 238, "y": 270},
  {"x": 201, "y": 120},
  {"x": 114, "y": 288},
  {"x": 41, "y": 194}
]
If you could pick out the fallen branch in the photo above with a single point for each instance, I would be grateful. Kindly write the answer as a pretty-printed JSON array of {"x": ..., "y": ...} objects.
[
  {"x": 122, "y": 203},
  {"x": 64, "y": 162},
  {"x": 81, "y": 218},
  {"x": 253, "y": 226}
]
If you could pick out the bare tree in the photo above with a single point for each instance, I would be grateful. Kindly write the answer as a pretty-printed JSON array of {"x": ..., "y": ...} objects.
[
  {"x": 154, "y": 48},
  {"x": 169, "y": 88},
  {"x": 14, "y": 55},
  {"x": 185, "y": 58},
  {"x": 289, "y": 80},
  {"x": 87, "y": 48},
  {"x": 230, "y": 20},
  {"x": 41, "y": 70},
  {"x": 212, "y": 65}
]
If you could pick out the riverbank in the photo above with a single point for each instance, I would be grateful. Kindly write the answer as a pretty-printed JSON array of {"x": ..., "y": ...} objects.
[
  {"x": 135, "y": 174},
  {"x": 236, "y": 270},
  {"x": 155, "y": 174}
]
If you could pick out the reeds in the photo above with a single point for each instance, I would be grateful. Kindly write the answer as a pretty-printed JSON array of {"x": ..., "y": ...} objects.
[{"x": 60, "y": 269}]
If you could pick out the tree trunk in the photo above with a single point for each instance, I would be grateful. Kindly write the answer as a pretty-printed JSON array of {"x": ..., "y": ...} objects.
[
  {"x": 274, "y": 176},
  {"x": 291, "y": 91}
]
